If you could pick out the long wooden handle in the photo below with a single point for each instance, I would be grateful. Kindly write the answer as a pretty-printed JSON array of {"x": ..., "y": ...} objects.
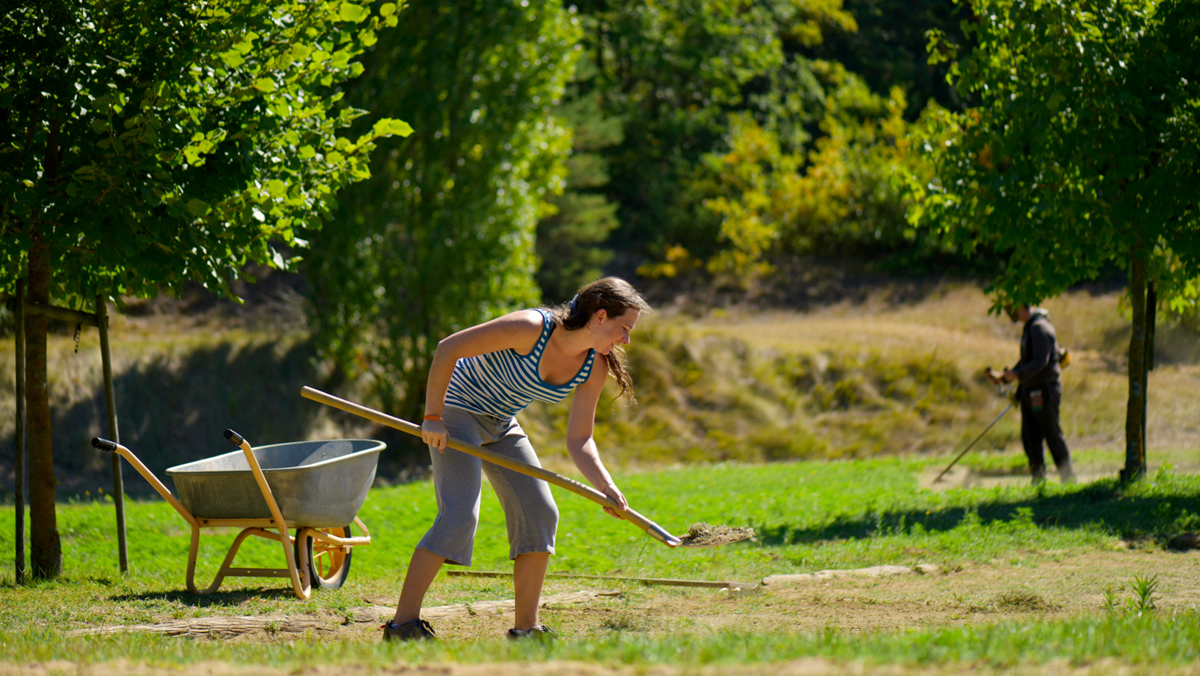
[{"x": 654, "y": 530}]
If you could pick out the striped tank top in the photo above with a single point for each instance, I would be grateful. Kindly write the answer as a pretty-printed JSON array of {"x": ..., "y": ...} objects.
[{"x": 502, "y": 383}]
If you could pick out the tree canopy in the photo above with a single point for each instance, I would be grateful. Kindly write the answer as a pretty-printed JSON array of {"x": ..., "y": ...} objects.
[
  {"x": 443, "y": 235},
  {"x": 1080, "y": 154},
  {"x": 146, "y": 145},
  {"x": 157, "y": 143}
]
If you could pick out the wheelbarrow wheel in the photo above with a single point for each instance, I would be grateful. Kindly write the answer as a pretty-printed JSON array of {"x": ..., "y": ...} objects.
[{"x": 328, "y": 565}]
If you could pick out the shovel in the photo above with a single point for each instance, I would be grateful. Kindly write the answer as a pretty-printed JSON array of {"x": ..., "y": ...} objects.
[{"x": 654, "y": 530}]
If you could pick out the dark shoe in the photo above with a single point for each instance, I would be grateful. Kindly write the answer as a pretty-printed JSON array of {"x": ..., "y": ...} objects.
[
  {"x": 540, "y": 632},
  {"x": 413, "y": 630}
]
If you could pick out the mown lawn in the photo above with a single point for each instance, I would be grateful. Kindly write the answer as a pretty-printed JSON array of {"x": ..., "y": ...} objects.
[{"x": 809, "y": 516}]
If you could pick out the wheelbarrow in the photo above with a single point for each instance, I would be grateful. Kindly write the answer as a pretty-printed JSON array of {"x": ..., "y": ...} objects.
[{"x": 315, "y": 487}]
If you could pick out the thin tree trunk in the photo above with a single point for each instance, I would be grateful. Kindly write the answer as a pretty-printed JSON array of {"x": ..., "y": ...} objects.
[
  {"x": 45, "y": 549},
  {"x": 1135, "y": 412},
  {"x": 21, "y": 434}
]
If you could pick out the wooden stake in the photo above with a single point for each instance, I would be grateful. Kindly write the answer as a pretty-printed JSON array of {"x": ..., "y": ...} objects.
[{"x": 118, "y": 489}]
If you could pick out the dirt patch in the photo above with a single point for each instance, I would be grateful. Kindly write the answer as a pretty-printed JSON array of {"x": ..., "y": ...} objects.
[
  {"x": 378, "y": 612},
  {"x": 1024, "y": 586}
]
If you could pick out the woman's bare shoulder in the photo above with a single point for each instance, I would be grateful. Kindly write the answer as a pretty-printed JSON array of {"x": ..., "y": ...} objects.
[
  {"x": 521, "y": 320},
  {"x": 517, "y": 330}
]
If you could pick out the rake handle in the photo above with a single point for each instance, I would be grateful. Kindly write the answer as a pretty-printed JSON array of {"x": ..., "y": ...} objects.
[{"x": 654, "y": 530}]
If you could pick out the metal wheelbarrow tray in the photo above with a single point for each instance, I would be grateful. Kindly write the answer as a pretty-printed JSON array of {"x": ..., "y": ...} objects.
[
  {"x": 318, "y": 484},
  {"x": 316, "y": 487}
]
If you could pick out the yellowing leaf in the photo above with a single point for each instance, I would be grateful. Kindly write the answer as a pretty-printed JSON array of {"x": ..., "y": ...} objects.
[
  {"x": 352, "y": 12},
  {"x": 392, "y": 127},
  {"x": 233, "y": 58}
]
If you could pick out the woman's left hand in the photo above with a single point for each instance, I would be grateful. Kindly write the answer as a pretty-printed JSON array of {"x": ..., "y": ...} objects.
[{"x": 615, "y": 494}]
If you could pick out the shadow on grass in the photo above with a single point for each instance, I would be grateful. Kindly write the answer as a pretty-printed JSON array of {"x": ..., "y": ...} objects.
[
  {"x": 1103, "y": 504},
  {"x": 216, "y": 599}
]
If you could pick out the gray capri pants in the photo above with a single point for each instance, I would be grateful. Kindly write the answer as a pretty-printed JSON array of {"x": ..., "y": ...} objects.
[{"x": 529, "y": 509}]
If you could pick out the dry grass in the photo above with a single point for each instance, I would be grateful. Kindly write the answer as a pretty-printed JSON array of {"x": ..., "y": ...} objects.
[
  {"x": 952, "y": 324},
  {"x": 846, "y": 380}
]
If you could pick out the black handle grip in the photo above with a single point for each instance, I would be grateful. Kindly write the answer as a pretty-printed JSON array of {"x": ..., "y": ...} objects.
[
  {"x": 104, "y": 444},
  {"x": 234, "y": 438}
]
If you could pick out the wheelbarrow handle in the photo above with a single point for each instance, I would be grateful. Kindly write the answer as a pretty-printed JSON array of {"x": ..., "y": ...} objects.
[
  {"x": 102, "y": 444},
  {"x": 651, "y": 528},
  {"x": 234, "y": 438}
]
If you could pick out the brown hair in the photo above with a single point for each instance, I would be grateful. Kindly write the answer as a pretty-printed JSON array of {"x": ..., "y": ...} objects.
[{"x": 615, "y": 296}]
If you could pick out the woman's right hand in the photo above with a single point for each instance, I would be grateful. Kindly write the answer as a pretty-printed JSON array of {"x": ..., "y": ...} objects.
[
  {"x": 611, "y": 491},
  {"x": 433, "y": 432}
]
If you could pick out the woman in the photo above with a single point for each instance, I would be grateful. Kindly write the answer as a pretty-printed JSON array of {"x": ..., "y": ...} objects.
[{"x": 479, "y": 379}]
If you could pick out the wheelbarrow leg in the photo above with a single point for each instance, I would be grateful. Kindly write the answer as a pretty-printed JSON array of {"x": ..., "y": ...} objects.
[
  {"x": 191, "y": 568},
  {"x": 302, "y": 587},
  {"x": 226, "y": 568}
]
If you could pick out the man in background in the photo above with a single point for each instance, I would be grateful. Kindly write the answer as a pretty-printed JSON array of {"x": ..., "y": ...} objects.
[{"x": 1039, "y": 391}]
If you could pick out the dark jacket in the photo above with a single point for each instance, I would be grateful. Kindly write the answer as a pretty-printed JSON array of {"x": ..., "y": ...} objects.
[{"x": 1039, "y": 352}]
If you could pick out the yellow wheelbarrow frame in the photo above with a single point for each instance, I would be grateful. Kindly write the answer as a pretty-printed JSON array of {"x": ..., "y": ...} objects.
[{"x": 297, "y": 571}]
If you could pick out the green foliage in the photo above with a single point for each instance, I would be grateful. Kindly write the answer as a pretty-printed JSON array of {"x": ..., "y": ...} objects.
[
  {"x": 570, "y": 240},
  {"x": 887, "y": 48},
  {"x": 1140, "y": 603},
  {"x": 673, "y": 71},
  {"x": 442, "y": 236},
  {"x": 844, "y": 195},
  {"x": 1077, "y": 155},
  {"x": 150, "y": 144}
]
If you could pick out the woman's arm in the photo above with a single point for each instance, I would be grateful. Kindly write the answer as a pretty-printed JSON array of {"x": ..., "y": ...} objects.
[
  {"x": 580, "y": 443},
  {"x": 517, "y": 330}
]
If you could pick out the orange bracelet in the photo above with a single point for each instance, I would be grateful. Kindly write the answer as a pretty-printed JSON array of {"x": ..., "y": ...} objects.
[{"x": 433, "y": 417}]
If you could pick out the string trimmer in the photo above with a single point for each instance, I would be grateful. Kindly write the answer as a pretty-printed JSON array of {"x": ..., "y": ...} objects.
[{"x": 1000, "y": 389}]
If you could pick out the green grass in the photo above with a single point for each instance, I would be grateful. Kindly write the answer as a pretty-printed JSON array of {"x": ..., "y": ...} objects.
[
  {"x": 809, "y": 516},
  {"x": 1149, "y": 641}
]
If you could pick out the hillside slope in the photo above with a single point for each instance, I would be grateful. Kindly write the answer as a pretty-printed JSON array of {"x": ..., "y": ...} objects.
[{"x": 874, "y": 374}]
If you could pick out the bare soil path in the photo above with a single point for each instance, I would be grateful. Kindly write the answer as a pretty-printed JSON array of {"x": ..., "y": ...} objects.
[{"x": 1025, "y": 586}]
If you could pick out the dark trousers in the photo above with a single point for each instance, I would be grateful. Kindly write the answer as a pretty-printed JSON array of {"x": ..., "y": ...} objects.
[{"x": 1042, "y": 425}]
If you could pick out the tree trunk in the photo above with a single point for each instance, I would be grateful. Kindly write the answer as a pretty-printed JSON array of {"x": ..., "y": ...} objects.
[
  {"x": 45, "y": 549},
  {"x": 1135, "y": 412}
]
